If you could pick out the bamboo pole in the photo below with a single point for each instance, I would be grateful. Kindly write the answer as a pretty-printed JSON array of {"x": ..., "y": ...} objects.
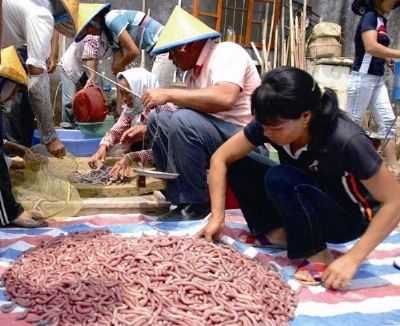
[
  {"x": 292, "y": 40},
  {"x": 296, "y": 47},
  {"x": 304, "y": 28},
  {"x": 143, "y": 52},
  {"x": 260, "y": 61},
  {"x": 264, "y": 36},
  {"x": 283, "y": 48},
  {"x": 288, "y": 45},
  {"x": 276, "y": 53},
  {"x": 271, "y": 29},
  {"x": 111, "y": 81}
]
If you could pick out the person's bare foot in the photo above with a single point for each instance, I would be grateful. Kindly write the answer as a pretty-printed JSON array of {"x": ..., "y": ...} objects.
[
  {"x": 317, "y": 264},
  {"x": 274, "y": 239},
  {"x": 277, "y": 236},
  {"x": 25, "y": 220}
]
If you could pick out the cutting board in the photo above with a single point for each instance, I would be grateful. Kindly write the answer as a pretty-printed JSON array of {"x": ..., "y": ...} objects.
[{"x": 115, "y": 190}]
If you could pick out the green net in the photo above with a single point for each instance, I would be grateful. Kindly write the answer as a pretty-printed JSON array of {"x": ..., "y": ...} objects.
[{"x": 43, "y": 189}]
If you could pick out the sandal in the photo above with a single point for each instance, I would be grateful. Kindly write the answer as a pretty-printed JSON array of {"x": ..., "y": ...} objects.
[
  {"x": 30, "y": 224},
  {"x": 396, "y": 262},
  {"x": 315, "y": 270},
  {"x": 259, "y": 240}
]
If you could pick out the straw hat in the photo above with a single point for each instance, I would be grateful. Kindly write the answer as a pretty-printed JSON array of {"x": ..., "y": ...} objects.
[
  {"x": 67, "y": 23},
  {"x": 182, "y": 28},
  {"x": 11, "y": 67},
  {"x": 88, "y": 11}
]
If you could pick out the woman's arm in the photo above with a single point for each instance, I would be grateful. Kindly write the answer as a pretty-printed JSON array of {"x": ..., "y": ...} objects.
[
  {"x": 129, "y": 54},
  {"x": 386, "y": 190},
  {"x": 371, "y": 45},
  {"x": 232, "y": 150},
  {"x": 53, "y": 58}
]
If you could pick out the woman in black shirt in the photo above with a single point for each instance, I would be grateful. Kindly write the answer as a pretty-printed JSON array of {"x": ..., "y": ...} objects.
[{"x": 331, "y": 185}]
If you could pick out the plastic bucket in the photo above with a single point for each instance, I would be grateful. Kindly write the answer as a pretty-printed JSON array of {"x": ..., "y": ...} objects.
[
  {"x": 74, "y": 141},
  {"x": 89, "y": 105}
]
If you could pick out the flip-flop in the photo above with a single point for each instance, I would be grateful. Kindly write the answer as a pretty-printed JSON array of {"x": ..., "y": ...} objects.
[
  {"x": 30, "y": 224},
  {"x": 259, "y": 240},
  {"x": 315, "y": 270},
  {"x": 396, "y": 262}
]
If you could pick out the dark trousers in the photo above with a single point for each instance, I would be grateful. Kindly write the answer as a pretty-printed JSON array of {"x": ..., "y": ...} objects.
[
  {"x": 283, "y": 196},
  {"x": 19, "y": 121},
  {"x": 9, "y": 208}
]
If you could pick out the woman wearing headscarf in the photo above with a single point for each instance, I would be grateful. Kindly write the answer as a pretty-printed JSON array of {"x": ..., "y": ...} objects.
[
  {"x": 11, "y": 74},
  {"x": 132, "y": 120},
  {"x": 366, "y": 86}
]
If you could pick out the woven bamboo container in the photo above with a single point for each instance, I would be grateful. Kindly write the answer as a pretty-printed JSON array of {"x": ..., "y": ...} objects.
[{"x": 325, "y": 47}]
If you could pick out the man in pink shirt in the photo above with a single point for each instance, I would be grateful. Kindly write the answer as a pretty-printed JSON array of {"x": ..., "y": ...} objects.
[{"x": 215, "y": 105}]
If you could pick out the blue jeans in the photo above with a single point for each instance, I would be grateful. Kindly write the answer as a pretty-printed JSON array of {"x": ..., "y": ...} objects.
[
  {"x": 69, "y": 89},
  {"x": 184, "y": 141},
  {"x": 365, "y": 90},
  {"x": 273, "y": 196}
]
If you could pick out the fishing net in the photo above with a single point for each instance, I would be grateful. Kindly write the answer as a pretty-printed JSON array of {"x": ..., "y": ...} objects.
[{"x": 42, "y": 187}]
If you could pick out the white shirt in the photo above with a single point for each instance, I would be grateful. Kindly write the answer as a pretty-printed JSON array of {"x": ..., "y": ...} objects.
[
  {"x": 29, "y": 22},
  {"x": 91, "y": 47}
]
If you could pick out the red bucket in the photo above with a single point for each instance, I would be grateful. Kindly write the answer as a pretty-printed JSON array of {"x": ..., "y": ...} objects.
[{"x": 89, "y": 105}]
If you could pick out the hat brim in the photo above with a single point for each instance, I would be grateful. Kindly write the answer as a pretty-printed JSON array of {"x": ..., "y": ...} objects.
[
  {"x": 81, "y": 33},
  {"x": 11, "y": 66},
  {"x": 67, "y": 23},
  {"x": 174, "y": 45}
]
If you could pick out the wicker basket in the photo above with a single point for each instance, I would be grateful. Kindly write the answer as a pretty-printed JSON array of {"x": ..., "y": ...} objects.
[{"x": 325, "y": 47}]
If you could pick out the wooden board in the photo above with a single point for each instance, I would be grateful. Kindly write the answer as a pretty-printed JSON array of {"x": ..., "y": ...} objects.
[
  {"x": 115, "y": 190},
  {"x": 146, "y": 204}
]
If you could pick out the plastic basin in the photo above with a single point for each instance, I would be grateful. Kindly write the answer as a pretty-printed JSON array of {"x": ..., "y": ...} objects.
[{"x": 74, "y": 141}]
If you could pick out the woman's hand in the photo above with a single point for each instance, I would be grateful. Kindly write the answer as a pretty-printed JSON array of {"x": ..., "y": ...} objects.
[
  {"x": 100, "y": 155},
  {"x": 17, "y": 165},
  {"x": 21, "y": 150},
  {"x": 340, "y": 272},
  {"x": 133, "y": 134},
  {"x": 390, "y": 63},
  {"x": 212, "y": 229},
  {"x": 16, "y": 149},
  {"x": 56, "y": 148},
  {"x": 51, "y": 65},
  {"x": 122, "y": 168}
]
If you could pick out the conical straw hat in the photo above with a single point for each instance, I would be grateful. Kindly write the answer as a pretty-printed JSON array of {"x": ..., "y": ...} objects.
[
  {"x": 11, "y": 66},
  {"x": 182, "y": 28},
  {"x": 88, "y": 11},
  {"x": 67, "y": 23}
]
